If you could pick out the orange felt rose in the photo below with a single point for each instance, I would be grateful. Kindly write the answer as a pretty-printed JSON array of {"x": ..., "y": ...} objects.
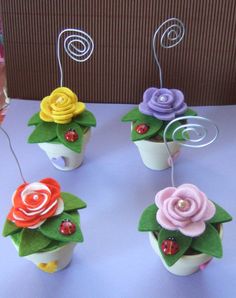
[{"x": 35, "y": 202}]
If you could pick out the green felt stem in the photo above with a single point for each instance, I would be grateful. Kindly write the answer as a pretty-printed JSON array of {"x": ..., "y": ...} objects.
[
  {"x": 209, "y": 242},
  {"x": 148, "y": 221},
  {"x": 43, "y": 132},
  {"x": 86, "y": 118},
  {"x": 183, "y": 241},
  {"x": 72, "y": 202},
  {"x": 31, "y": 241},
  {"x": 61, "y": 131},
  {"x": 9, "y": 228}
]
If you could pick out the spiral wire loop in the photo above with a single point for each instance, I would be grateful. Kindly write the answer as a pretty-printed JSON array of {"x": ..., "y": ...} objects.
[
  {"x": 195, "y": 135},
  {"x": 173, "y": 34},
  {"x": 78, "y": 46}
]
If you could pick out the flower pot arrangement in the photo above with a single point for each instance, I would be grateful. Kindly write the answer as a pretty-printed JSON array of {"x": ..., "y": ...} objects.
[
  {"x": 149, "y": 119},
  {"x": 159, "y": 107},
  {"x": 185, "y": 228},
  {"x": 62, "y": 128},
  {"x": 44, "y": 224}
]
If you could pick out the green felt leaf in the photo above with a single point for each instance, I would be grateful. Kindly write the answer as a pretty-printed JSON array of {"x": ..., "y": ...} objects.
[
  {"x": 35, "y": 120},
  {"x": 154, "y": 126},
  {"x": 132, "y": 115},
  {"x": 190, "y": 112},
  {"x": 220, "y": 216},
  {"x": 63, "y": 128},
  {"x": 16, "y": 237},
  {"x": 51, "y": 229},
  {"x": 9, "y": 228},
  {"x": 170, "y": 131},
  {"x": 209, "y": 242},
  {"x": 44, "y": 132},
  {"x": 31, "y": 241},
  {"x": 72, "y": 202},
  {"x": 183, "y": 241},
  {"x": 148, "y": 220},
  {"x": 86, "y": 118},
  {"x": 54, "y": 244}
]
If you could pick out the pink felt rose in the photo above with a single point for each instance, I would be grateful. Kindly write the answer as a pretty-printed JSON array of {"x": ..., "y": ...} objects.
[{"x": 184, "y": 208}]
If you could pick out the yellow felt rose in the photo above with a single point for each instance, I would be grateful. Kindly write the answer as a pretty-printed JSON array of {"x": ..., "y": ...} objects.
[{"x": 60, "y": 106}]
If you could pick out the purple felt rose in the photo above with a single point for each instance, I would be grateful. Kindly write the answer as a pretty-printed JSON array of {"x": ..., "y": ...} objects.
[
  {"x": 164, "y": 104},
  {"x": 184, "y": 208}
]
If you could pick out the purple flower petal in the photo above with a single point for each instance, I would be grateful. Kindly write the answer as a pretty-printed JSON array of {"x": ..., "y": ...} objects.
[
  {"x": 143, "y": 108},
  {"x": 164, "y": 117},
  {"x": 158, "y": 108},
  {"x": 181, "y": 110},
  {"x": 179, "y": 98},
  {"x": 148, "y": 94}
]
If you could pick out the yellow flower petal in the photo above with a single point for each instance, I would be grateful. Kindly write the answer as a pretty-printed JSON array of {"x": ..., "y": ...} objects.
[
  {"x": 66, "y": 91},
  {"x": 70, "y": 110},
  {"x": 80, "y": 107},
  {"x": 45, "y": 117},
  {"x": 45, "y": 105}
]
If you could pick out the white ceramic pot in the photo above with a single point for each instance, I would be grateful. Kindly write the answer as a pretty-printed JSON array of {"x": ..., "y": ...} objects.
[
  {"x": 54, "y": 260},
  {"x": 154, "y": 154},
  {"x": 64, "y": 158},
  {"x": 187, "y": 264}
]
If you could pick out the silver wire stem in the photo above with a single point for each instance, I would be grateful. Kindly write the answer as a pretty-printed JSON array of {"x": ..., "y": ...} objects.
[
  {"x": 13, "y": 153},
  {"x": 173, "y": 34},
  {"x": 78, "y": 46},
  {"x": 199, "y": 134}
]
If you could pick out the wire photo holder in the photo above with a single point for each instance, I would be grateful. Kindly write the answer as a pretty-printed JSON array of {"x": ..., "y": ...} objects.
[
  {"x": 196, "y": 135},
  {"x": 78, "y": 45}
]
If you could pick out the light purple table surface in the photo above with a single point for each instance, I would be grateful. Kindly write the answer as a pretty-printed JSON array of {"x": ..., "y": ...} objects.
[{"x": 115, "y": 259}]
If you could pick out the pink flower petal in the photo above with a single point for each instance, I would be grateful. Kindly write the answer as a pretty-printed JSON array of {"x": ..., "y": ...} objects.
[
  {"x": 187, "y": 191},
  {"x": 164, "y": 222},
  {"x": 202, "y": 209},
  {"x": 194, "y": 229},
  {"x": 176, "y": 220},
  {"x": 210, "y": 211},
  {"x": 164, "y": 194}
]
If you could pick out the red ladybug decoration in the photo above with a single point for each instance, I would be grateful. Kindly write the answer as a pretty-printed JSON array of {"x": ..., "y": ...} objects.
[
  {"x": 67, "y": 227},
  {"x": 142, "y": 128},
  {"x": 170, "y": 246},
  {"x": 71, "y": 135}
]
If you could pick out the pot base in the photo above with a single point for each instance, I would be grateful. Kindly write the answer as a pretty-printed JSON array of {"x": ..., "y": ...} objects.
[
  {"x": 187, "y": 264},
  {"x": 154, "y": 154}
]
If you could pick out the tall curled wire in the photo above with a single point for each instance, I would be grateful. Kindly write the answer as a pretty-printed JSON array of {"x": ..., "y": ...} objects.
[
  {"x": 13, "y": 153},
  {"x": 194, "y": 135},
  {"x": 172, "y": 32},
  {"x": 78, "y": 46}
]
